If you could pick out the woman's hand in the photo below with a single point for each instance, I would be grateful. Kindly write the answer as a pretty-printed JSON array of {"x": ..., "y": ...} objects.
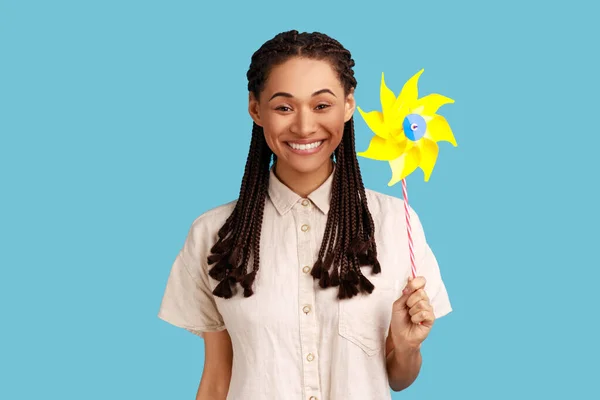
[{"x": 412, "y": 316}]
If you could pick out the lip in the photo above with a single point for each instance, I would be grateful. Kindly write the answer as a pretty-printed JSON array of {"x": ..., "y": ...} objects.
[
  {"x": 307, "y": 151},
  {"x": 304, "y": 141}
]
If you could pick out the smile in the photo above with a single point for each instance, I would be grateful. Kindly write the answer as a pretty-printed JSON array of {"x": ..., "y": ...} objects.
[{"x": 305, "y": 147}]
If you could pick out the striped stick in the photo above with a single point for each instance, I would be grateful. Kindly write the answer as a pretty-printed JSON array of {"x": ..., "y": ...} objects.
[{"x": 408, "y": 229}]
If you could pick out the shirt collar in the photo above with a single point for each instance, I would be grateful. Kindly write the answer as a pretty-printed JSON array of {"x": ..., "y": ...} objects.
[{"x": 284, "y": 198}]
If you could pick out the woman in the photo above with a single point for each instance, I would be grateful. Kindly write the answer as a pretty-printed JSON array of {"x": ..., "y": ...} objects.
[{"x": 301, "y": 287}]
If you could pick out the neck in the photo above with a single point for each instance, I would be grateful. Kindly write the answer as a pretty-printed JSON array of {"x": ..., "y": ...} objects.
[{"x": 303, "y": 184}]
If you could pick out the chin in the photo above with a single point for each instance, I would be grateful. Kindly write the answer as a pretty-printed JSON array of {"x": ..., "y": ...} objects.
[{"x": 305, "y": 166}]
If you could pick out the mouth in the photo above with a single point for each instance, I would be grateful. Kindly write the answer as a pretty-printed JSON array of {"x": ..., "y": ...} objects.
[{"x": 305, "y": 148}]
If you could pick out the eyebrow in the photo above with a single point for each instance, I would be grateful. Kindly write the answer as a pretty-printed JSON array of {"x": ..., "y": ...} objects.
[{"x": 318, "y": 92}]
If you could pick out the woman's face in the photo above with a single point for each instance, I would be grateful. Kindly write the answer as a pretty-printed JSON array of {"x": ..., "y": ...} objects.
[{"x": 302, "y": 110}]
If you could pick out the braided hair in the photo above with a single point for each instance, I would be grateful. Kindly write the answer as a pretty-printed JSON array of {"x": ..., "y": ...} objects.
[{"x": 348, "y": 241}]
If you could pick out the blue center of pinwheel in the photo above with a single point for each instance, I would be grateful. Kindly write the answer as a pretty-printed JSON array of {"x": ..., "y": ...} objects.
[{"x": 414, "y": 127}]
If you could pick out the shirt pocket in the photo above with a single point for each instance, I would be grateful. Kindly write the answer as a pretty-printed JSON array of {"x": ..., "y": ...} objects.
[{"x": 365, "y": 319}]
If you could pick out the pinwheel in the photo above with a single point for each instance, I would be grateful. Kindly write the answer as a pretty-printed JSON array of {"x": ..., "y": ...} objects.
[{"x": 407, "y": 130}]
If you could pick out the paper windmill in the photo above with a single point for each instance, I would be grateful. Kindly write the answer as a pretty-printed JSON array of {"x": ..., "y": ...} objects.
[
  {"x": 406, "y": 134},
  {"x": 407, "y": 130}
]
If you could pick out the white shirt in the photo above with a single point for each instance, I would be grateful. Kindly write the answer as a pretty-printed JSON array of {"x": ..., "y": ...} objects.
[{"x": 293, "y": 340}]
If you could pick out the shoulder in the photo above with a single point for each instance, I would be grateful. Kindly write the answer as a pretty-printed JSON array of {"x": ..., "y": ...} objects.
[
  {"x": 219, "y": 212},
  {"x": 388, "y": 207},
  {"x": 202, "y": 235},
  {"x": 381, "y": 203},
  {"x": 210, "y": 221}
]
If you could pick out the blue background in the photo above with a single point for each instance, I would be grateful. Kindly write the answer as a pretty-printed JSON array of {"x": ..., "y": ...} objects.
[{"x": 122, "y": 121}]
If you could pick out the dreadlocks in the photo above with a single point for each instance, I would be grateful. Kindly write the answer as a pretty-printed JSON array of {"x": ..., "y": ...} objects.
[{"x": 348, "y": 242}]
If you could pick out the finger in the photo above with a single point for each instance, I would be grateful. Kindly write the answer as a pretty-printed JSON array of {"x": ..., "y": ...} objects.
[
  {"x": 409, "y": 298},
  {"x": 400, "y": 303},
  {"x": 416, "y": 296},
  {"x": 414, "y": 284},
  {"x": 420, "y": 306},
  {"x": 425, "y": 318}
]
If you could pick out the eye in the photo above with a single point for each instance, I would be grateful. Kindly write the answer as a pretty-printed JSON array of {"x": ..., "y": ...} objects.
[
  {"x": 283, "y": 108},
  {"x": 322, "y": 106}
]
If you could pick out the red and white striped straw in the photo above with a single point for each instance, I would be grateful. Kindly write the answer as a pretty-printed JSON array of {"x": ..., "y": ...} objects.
[{"x": 408, "y": 229}]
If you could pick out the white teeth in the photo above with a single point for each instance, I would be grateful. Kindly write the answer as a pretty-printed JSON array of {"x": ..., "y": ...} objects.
[{"x": 309, "y": 146}]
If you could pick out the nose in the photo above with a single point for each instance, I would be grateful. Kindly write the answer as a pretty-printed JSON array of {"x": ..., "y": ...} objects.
[{"x": 304, "y": 123}]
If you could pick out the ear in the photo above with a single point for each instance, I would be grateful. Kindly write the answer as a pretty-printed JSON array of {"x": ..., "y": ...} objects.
[
  {"x": 350, "y": 106},
  {"x": 253, "y": 108}
]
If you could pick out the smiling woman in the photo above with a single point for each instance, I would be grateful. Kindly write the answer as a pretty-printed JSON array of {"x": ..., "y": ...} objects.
[
  {"x": 302, "y": 126},
  {"x": 322, "y": 314}
]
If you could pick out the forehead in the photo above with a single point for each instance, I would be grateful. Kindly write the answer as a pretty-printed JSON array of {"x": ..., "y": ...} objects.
[{"x": 302, "y": 77}]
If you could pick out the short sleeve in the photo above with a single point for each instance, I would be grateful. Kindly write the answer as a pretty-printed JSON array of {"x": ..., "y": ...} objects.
[
  {"x": 427, "y": 266},
  {"x": 188, "y": 301}
]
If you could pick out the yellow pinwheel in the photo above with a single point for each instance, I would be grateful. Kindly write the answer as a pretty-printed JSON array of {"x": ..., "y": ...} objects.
[{"x": 407, "y": 130}]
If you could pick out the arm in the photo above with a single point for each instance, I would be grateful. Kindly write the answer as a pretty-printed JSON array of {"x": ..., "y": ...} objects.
[
  {"x": 218, "y": 359},
  {"x": 413, "y": 313},
  {"x": 403, "y": 365}
]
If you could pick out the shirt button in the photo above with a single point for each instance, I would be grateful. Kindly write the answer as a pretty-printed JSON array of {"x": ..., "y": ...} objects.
[
  {"x": 306, "y": 309},
  {"x": 305, "y": 202},
  {"x": 305, "y": 228},
  {"x": 310, "y": 357},
  {"x": 306, "y": 269}
]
